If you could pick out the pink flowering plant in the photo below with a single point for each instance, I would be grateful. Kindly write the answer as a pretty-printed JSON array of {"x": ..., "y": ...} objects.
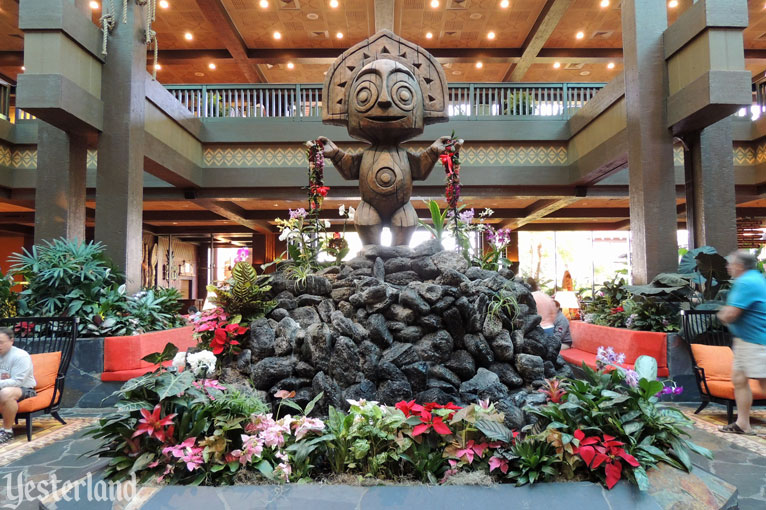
[{"x": 216, "y": 331}]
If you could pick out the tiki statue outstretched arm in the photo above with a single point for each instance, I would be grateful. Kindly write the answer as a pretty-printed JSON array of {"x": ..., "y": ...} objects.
[
  {"x": 346, "y": 164},
  {"x": 422, "y": 164}
]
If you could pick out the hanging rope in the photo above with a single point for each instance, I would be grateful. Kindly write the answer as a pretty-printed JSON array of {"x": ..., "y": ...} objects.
[{"x": 107, "y": 24}]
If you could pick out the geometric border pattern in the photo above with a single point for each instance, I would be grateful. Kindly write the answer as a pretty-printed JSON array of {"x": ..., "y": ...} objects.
[
  {"x": 6, "y": 156},
  {"x": 292, "y": 155}
]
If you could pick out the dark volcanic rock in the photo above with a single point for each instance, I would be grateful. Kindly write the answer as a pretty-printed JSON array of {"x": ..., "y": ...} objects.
[
  {"x": 443, "y": 304},
  {"x": 507, "y": 374},
  {"x": 364, "y": 390},
  {"x": 261, "y": 339},
  {"x": 484, "y": 385},
  {"x": 290, "y": 384},
  {"x": 269, "y": 371},
  {"x": 303, "y": 369},
  {"x": 359, "y": 262},
  {"x": 319, "y": 343},
  {"x": 332, "y": 393},
  {"x": 325, "y": 309},
  {"x": 502, "y": 346},
  {"x": 369, "y": 355},
  {"x": 378, "y": 330},
  {"x": 341, "y": 294},
  {"x": 435, "y": 347},
  {"x": 342, "y": 324},
  {"x": 453, "y": 278},
  {"x": 391, "y": 392},
  {"x": 402, "y": 277},
  {"x": 449, "y": 260},
  {"x": 243, "y": 360},
  {"x": 278, "y": 314},
  {"x": 431, "y": 322},
  {"x": 375, "y": 251},
  {"x": 492, "y": 326},
  {"x": 374, "y": 295},
  {"x": 425, "y": 268},
  {"x": 409, "y": 334},
  {"x": 399, "y": 313},
  {"x": 436, "y": 395},
  {"x": 479, "y": 349},
  {"x": 317, "y": 285},
  {"x": 445, "y": 374},
  {"x": 462, "y": 364},
  {"x": 475, "y": 273},
  {"x": 309, "y": 300},
  {"x": 389, "y": 372},
  {"x": 417, "y": 375},
  {"x": 410, "y": 298},
  {"x": 305, "y": 316},
  {"x": 530, "y": 367},
  {"x": 345, "y": 362},
  {"x": 379, "y": 270},
  {"x": 427, "y": 249},
  {"x": 401, "y": 354},
  {"x": 513, "y": 416},
  {"x": 398, "y": 264}
]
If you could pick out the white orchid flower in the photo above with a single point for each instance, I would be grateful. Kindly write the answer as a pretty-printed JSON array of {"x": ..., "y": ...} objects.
[
  {"x": 351, "y": 213},
  {"x": 284, "y": 235},
  {"x": 342, "y": 210},
  {"x": 327, "y": 224}
]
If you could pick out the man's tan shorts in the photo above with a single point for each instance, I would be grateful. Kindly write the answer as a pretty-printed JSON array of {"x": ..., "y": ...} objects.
[{"x": 749, "y": 358}]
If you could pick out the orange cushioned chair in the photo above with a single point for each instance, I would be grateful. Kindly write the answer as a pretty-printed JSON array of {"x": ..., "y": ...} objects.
[
  {"x": 587, "y": 338},
  {"x": 122, "y": 355},
  {"x": 50, "y": 343},
  {"x": 709, "y": 344}
]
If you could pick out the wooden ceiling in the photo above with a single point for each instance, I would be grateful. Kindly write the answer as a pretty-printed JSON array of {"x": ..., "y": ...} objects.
[{"x": 459, "y": 31}]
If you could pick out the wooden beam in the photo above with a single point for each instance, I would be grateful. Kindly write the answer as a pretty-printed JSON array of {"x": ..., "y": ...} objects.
[
  {"x": 544, "y": 26},
  {"x": 384, "y": 15},
  {"x": 234, "y": 212},
  {"x": 540, "y": 209},
  {"x": 226, "y": 30}
]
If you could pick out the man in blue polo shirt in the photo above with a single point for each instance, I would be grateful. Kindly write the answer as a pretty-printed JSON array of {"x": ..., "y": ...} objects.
[{"x": 745, "y": 315}]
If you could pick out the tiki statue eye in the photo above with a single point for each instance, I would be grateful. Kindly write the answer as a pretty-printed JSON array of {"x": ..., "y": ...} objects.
[
  {"x": 403, "y": 95},
  {"x": 366, "y": 95}
]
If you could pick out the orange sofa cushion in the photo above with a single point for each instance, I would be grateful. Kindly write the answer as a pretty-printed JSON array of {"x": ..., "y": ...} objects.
[
  {"x": 122, "y": 354},
  {"x": 717, "y": 361},
  {"x": 46, "y": 369},
  {"x": 587, "y": 338}
]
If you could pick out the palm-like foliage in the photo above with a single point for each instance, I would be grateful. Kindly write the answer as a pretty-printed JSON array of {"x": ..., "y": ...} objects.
[{"x": 243, "y": 294}]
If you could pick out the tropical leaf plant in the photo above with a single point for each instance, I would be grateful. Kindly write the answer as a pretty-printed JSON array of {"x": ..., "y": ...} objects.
[{"x": 244, "y": 293}]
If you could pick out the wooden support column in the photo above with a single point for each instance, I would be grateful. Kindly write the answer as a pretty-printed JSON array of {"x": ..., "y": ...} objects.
[
  {"x": 203, "y": 269},
  {"x": 119, "y": 184},
  {"x": 711, "y": 203},
  {"x": 60, "y": 187},
  {"x": 650, "y": 144},
  {"x": 258, "y": 250}
]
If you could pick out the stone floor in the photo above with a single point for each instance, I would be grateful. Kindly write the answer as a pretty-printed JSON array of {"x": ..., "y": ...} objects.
[{"x": 737, "y": 460}]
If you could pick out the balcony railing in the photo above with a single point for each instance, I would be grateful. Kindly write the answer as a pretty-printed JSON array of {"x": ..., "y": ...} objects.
[
  {"x": 5, "y": 100},
  {"x": 466, "y": 100}
]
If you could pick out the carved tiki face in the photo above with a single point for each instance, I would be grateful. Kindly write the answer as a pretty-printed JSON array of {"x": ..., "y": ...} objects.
[{"x": 385, "y": 103}]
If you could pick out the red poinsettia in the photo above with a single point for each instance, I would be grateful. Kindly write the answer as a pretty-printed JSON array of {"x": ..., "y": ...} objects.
[
  {"x": 152, "y": 425},
  {"x": 427, "y": 418},
  {"x": 617, "y": 309},
  {"x": 224, "y": 336},
  {"x": 608, "y": 451}
]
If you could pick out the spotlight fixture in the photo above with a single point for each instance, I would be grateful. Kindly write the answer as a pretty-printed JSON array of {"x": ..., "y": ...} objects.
[
  {"x": 188, "y": 36},
  {"x": 290, "y": 65},
  {"x": 556, "y": 65},
  {"x": 334, "y": 4},
  {"x": 610, "y": 65},
  {"x": 504, "y": 4},
  {"x": 264, "y": 4},
  {"x": 580, "y": 35},
  {"x": 429, "y": 35},
  {"x": 277, "y": 35},
  {"x": 339, "y": 35},
  {"x": 211, "y": 66},
  {"x": 94, "y": 5},
  {"x": 164, "y": 4},
  {"x": 491, "y": 35},
  {"x": 23, "y": 68},
  {"x": 604, "y": 3},
  {"x": 434, "y": 3},
  {"x": 673, "y": 4},
  {"x": 157, "y": 67},
  {"x": 479, "y": 65}
]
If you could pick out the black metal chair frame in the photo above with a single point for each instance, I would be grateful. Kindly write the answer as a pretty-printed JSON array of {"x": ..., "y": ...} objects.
[
  {"x": 38, "y": 335},
  {"x": 703, "y": 327}
]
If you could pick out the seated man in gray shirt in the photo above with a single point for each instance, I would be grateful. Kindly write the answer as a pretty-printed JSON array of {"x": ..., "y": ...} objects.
[
  {"x": 17, "y": 381},
  {"x": 561, "y": 328}
]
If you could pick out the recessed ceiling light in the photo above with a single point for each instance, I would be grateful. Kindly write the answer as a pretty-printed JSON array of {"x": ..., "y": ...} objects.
[
  {"x": 580, "y": 35},
  {"x": 584, "y": 73},
  {"x": 491, "y": 35},
  {"x": 556, "y": 65},
  {"x": 504, "y": 4},
  {"x": 199, "y": 74},
  {"x": 164, "y": 4},
  {"x": 339, "y": 35},
  {"x": 457, "y": 73},
  {"x": 434, "y": 3},
  {"x": 673, "y": 4},
  {"x": 312, "y": 16},
  {"x": 188, "y": 36},
  {"x": 334, "y": 4},
  {"x": 610, "y": 65},
  {"x": 475, "y": 15},
  {"x": 94, "y": 5},
  {"x": 157, "y": 67},
  {"x": 429, "y": 35},
  {"x": 604, "y": 3},
  {"x": 479, "y": 65},
  {"x": 277, "y": 35},
  {"x": 23, "y": 68},
  {"x": 290, "y": 65},
  {"x": 264, "y": 4},
  {"x": 211, "y": 66}
]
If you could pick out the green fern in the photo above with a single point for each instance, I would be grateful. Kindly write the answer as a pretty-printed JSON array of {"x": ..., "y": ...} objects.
[{"x": 243, "y": 294}]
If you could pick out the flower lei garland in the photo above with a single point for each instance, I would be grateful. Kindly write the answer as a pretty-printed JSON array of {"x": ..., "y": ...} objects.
[
  {"x": 450, "y": 159},
  {"x": 317, "y": 191}
]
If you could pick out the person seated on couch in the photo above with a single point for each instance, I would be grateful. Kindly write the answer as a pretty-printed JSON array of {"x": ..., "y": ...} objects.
[
  {"x": 561, "y": 328},
  {"x": 17, "y": 381}
]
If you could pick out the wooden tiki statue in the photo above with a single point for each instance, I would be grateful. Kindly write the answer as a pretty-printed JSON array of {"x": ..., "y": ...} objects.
[{"x": 385, "y": 90}]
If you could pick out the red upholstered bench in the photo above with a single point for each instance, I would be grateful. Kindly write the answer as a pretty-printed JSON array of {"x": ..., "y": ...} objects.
[
  {"x": 122, "y": 354},
  {"x": 587, "y": 338}
]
